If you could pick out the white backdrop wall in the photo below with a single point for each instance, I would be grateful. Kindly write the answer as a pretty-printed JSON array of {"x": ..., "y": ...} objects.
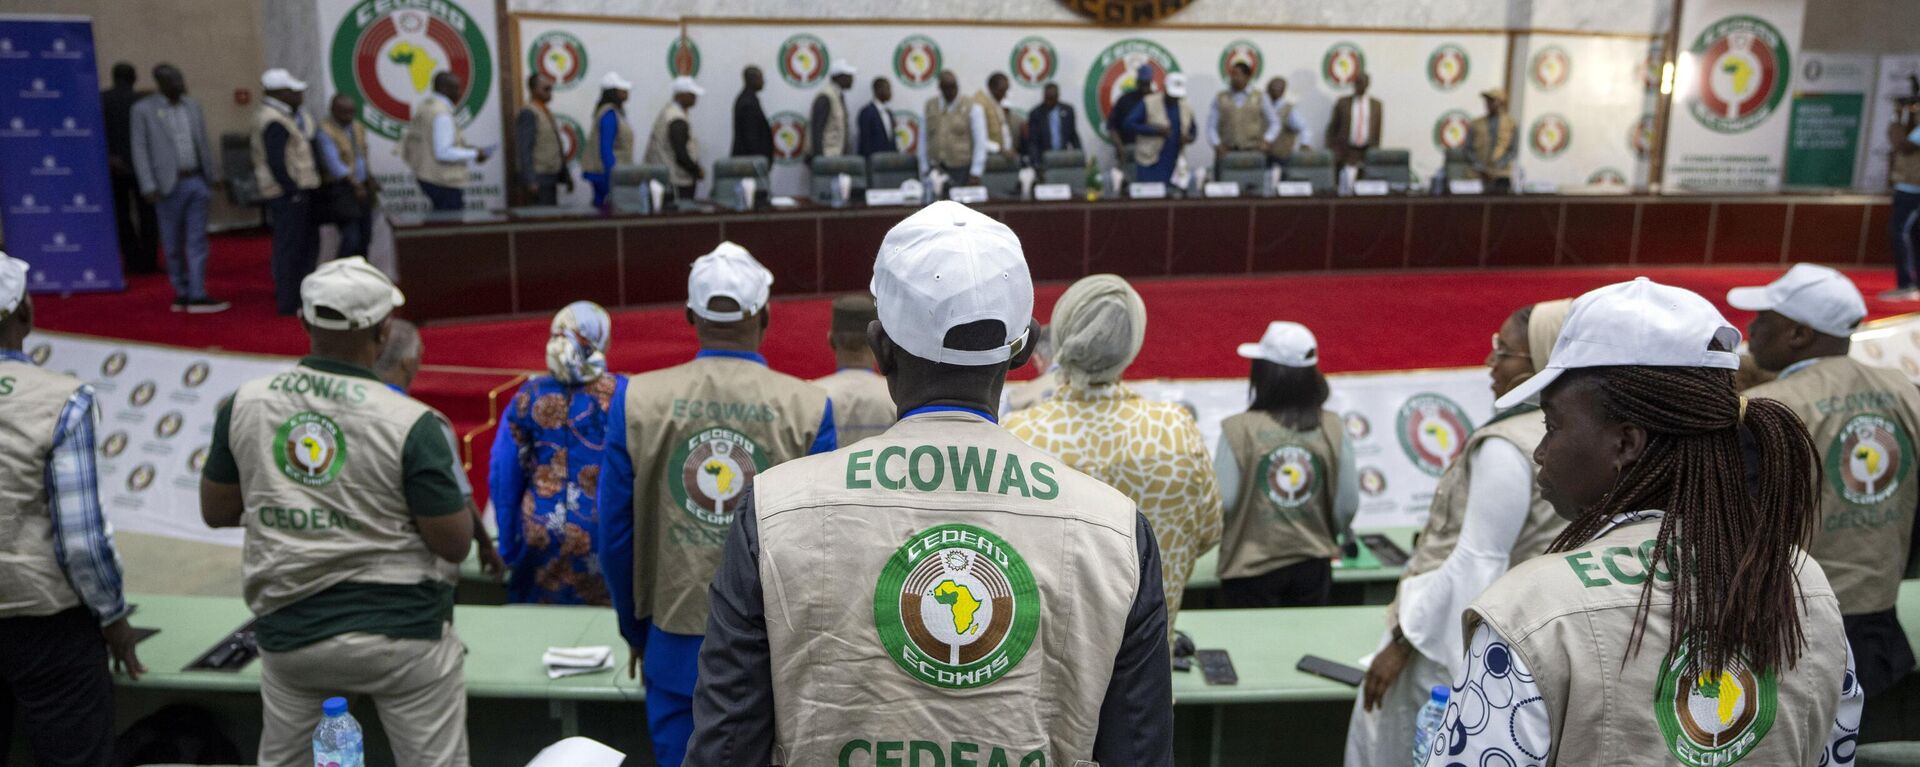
[{"x": 1585, "y": 108}]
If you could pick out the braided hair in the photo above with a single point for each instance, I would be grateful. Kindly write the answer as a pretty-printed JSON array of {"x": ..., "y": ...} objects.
[{"x": 1728, "y": 536}]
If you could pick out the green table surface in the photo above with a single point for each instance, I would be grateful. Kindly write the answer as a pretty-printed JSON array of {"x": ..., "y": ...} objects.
[
  {"x": 504, "y": 645},
  {"x": 1266, "y": 644},
  {"x": 1362, "y": 569}
]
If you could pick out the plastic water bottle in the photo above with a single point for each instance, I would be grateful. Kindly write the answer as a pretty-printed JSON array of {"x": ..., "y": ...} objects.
[
  {"x": 1428, "y": 723},
  {"x": 337, "y": 741}
]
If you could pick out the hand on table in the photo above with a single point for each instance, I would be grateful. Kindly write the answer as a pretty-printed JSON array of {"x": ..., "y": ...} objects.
[{"x": 120, "y": 642}]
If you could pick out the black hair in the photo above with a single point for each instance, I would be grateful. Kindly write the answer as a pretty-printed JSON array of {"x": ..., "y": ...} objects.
[
  {"x": 996, "y": 78},
  {"x": 1292, "y": 395},
  {"x": 607, "y": 97},
  {"x": 124, "y": 74},
  {"x": 534, "y": 78},
  {"x": 1243, "y": 68}
]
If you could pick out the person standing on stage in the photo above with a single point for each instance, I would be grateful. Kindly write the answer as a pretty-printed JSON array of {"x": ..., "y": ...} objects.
[
  {"x": 1118, "y": 133},
  {"x": 949, "y": 142},
  {"x": 1355, "y": 125},
  {"x": 1903, "y": 225},
  {"x": 542, "y": 167},
  {"x": 1493, "y": 142},
  {"x": 1292, "y": 133},
  {"x": 876, "y": 122},
  {"x": 1239, "y": 120},
  {"x": 357, "y": 516},
  {"x": 752, "y": 134},
  {"x": 171, "y": 158},
  {"x": 351, "y": 194},
  {"x": 436, "y": 149},
  {"x": 671, "y": 142},
  {"x": 1015, "y": 614},
  {"x": 1050, "y": 127},
  {"x": 684, "y": 445},
  {"x": 831, "y": 134},
  {"x": 285, "y": 172},
  {"x": 133, "y": 215},
  {"x": 1163, "y": 126},
  {"x": 861, "y": 405},
  {"x": 610, "y": 140}
]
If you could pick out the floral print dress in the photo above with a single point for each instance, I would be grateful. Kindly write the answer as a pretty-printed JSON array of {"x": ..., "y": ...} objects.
[{"x": 542, "y": 476}]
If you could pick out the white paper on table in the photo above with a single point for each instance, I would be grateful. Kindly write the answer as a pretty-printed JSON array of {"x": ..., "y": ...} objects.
[
  {"x": 1147, "y": 190},
  {"x": 577, "y": 657},
  {"x": 879, "y": 197},
  {"x": 1053, "y": 192},
  {"x": 1465, "y": 186},
  {"x": 578, "y": 752},
  {"x": 968, "y": 195},
  {"x": 1371, "y": 187},
  {"x": 1294, "y": 189},
  {"x": 784, "y": 201},
  {"x": 1222, "y": 189}
]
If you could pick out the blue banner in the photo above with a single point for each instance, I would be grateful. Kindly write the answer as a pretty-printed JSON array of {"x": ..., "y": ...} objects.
[{"x": 56, "y": 211}]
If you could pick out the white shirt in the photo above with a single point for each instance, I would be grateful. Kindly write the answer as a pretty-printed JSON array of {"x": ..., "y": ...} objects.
[
  {"x": 1358, "y": 124},
  {"x": 886, "y": 118},
  {"x": 1292, "y": 122},
  {"x": 444, "y": 148},
  {"x": 976, "y": 127},
  {"x": 1346, "y": 493}
]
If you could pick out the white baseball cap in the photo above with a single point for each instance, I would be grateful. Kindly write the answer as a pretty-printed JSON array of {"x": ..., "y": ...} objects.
[
  {"x": 728, "y": 272},
  {"x": 1816, "y": 296},
  {"x": 614, "y": 81},
  {"x": 279, "y": 79},
  {"x": 360, "y": 293},
  {"x": 1177, "y": 85},
  {"x": 1285, "y": 343},
  {"x": 685, "y": 84},
  {"x": 946, "y": 266},
  {"x": 1640, "y": 323},
  {"x": 13, "y": 283},
  {"x": 844, "y": 67}
]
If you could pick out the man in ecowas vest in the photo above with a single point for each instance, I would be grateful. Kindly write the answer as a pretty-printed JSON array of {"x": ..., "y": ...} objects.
[
  {"x": 683, "y": 446},
  {"x": 61, "y": 608},
  {"x": 941, "y": 594},
  {"x": 862, "y": 406},
  {"x": 435, "y": 148},
  {"x": 1863, "y": 419},
  {"x": 284, "y": 171},
  {"x": 357, "y": 516}
]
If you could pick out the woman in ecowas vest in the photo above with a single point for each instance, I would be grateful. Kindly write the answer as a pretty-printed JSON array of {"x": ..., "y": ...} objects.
[
  {"x": 1287, "y": 478},
  {"x": 610, "y": 140},
  {"x": 1677, "y": 619}
]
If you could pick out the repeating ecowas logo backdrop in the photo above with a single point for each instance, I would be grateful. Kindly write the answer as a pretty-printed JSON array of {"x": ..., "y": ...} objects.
[
  {"x": 1114, "y": 71},
  {"x": 1034, "y": 61},
  {"x": 917, "y": 61},
  {"x": 561, "y": 57},
  {"x": 1742, "y": 66},
  {"x": 803, "y": 61},
  {"x": 1447, "y": 67},
  {"x": 1342, "y": 62},
  {"x": 384, "y": 54},
  {"x": 1241, "y": 52}
]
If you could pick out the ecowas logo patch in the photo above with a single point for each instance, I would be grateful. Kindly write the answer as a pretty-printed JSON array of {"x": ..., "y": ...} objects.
[
  {"x": 917, "y": 61},
  {"x": 1433, "y": 430},
  {"x": 1113, "y": 74},
  {"x": 1743, "y": 67},
  {"x": 559, "y": 56},
  {"x": 1712, "y": 719},
  {"x": 803, "y": 61},
  {"x": 1033, "y": 62},
  {"x": 385, "y": 53},
  {"x": 956, "y": 607},
  {"x": 711, "y": 470},
  {"x": 1447, "y": 67},
  {"x": 1869, "y": 459},
  {"x": 313, "y": 449},
  {"x": 1292, "y": 475}
]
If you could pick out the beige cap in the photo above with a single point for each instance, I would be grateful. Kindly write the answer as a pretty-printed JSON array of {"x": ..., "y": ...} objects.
[
  {"x": 351, "y": 286},
  {"x": 1497, "y": 94}
]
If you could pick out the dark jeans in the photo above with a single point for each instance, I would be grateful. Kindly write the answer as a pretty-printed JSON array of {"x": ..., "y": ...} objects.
[
  {"x": 53, "y": 670},
  {"x": 1301, "y": 584},
  {"x": 444, "y": 197},
  {"x": 546, "y": 189},
  {"x": 1881, "y": 657},
  {"x": 1903, "y": 229},
  {"x": 296, "y": 245},
  {"x": 138, "y": 225}
]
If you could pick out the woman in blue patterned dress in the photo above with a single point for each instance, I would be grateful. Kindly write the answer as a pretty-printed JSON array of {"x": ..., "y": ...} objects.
[{"x": 546, "y": 466}]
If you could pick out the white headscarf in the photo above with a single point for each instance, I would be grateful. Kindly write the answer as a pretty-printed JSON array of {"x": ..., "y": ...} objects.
[
  {"x": 1099, "y": 325},
  {"x": 577, "y": 346}
]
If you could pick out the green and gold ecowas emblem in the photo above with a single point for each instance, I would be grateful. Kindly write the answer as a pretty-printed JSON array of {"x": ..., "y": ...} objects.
[
  {"x": 1712, "y": 719},
  {"x": 1113, "y": 74},
  {"x": 1292, "y": 475},
  {"x": 1432, "y": 430},
  {"x": 313, "y": 449},
  {"x": 1742, "y": 68},
  {"x": 560, "y": 56},
  {"x": 1033, "y": 61},
  {"x": 385, "y": 53},
  {"x": 1869, "y": 459},
  {"x": 917, "y": 61},
  {"x": 710, "y": 470},
  {"x": 956, "y": 607}
]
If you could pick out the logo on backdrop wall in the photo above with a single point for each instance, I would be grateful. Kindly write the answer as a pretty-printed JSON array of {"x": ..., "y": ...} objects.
[
  {"x": 1713, "y": 718},
  {"x": 916, "y": 61},
  {"x": 142, "y": 394},
  {"x": 1433, "y": 430},
  {"x": 114, "y": 445},
  {"x": 1241, "y": 51},
  {"x": 1033, "y": 61},
  {"x": 1549, "y": 136},
  {"x": 1358, "y": 427},
  {"x": 803, "y": 61},
  {"x": 683, "y": 57},
  {"x": 711, "y": 471},
  {"x": 956, "y": 607},
  {"x": 1607, "y": 177},
  {"x": 789, "y": 136},
  {"x": 1373, "y": 482},
  {"x": 140, "y": 477},
  {"x": 1126, "y": 12},
  {"x": 1447, "y": 67},
  {"x": 1742, "y": 71},
  {"x": 571, "y": 135},
  {"x": 906, "y": 131},
  {"x": 113, "y": 364},
  {"x": 1342, "y": 63},
  {"x": 1640, "y": 137},
  {"x": 1869, "y": 459},
  {"x": 384, "y": 55},
  {"x": 560, "y": 56},
  {"x": 169, "y": 424},
  {"x": 1450, "y": 130},
  {"x": 195, "y": 375},
  {"x": 197, "y": 460},
  {"x": 1113, "y": 73},
  {"x": 1550, "y": 67}
]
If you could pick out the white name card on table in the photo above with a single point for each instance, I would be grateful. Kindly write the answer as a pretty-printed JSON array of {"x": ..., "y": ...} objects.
[
  {"x": 1221, "y": 189},
  {"x": 1053, "y": 192},
  {"x": 1147, "y": 190},
  {"x": 1371, "y": 187},
  {"x": 968, "y": 195},
  {"x": 1293, "y": 189},
  {"x": 1541, "y": 187},
  {"x": 880, "y": 197},
  {"x": 1466, "y": 186}
]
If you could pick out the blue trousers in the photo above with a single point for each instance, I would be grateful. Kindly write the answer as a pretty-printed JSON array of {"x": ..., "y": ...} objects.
[
  {"x": 183, "y": 235},
  {"x": 1903, "y": 229},
  {"x": 670, "y": 723},
  {"x": 601, "y": 184},
  {"x": 444, "y": 197},
  {"x": 296, "y": 247}
]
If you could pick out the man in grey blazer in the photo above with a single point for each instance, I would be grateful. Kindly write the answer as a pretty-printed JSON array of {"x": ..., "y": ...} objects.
[{"x": 172, "y": 159}]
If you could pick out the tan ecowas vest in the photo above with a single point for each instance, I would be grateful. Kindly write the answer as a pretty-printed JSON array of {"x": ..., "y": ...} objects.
[
  {"x": 996, "y": 121},
  {"x": 31, "y": 581},
  {"x": 321, "y": 476},
  {"x": 942, "y": 594},
  {"x": 1243, "y": 127},
  {"x": 1283, "y": 146},
  {"x": 1284, "y": 514},
  {"x": 862, "y": 405},
  {"x": 699, "y": 434},
  {"x": 1569, "y": 616},
  {"x": 622, "y": 143},
  {"x": 1524, "y": 429},
  {"x": 949, "y": 137},
  {"x": 299, "y": 153},
  {"x": 548, "y": 158},
  {"x": 833, "y": 136},
  {"x": 416, "y": 146},
  {"x": 1863, "y": 420},
  {"x": 1488, "y": 149},
  {"x": 350, "y": 141},
  {"x": 660, "y": 146},
  {"x": 1906, "y": 167},
  {"x": 1146, "y": 149}
]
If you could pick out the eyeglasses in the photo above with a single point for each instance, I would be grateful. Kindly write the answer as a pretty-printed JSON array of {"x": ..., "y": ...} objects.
[{"x": 1500, "y": 350}]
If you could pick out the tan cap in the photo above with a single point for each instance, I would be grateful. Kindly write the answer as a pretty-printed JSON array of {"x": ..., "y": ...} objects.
[
  {"x": 1497, "y": 94},
  {"x": 352, "y": 287}
]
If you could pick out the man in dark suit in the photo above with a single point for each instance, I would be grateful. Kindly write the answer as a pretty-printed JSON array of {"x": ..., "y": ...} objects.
[
  {"x": 876, "y": 122},
  {"x": 1355, "y": 127},
  {"x": 1050, "y": 127},
  {"x": 139, "y": 228},
  {"x": 752, "y": 135}
]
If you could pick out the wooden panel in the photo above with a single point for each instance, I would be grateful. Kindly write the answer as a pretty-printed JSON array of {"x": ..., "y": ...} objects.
[
  {"x": 1446, "y": 235},
  {"x": 1054, "y": 241},
  {"x": 786, "y": 246},
  {"x": 1290, "y": 237},
  {"x": 848, "y": 247},
  {"x": 1521, "y": 233},
  {"x": 1371, "y": 236},
  {"x": 1673, "y": 233},
  {"x": 1827, "y": 234},
  {"x": 1597, "y": 233},
  {"x": 1748, "y": 234},
  {"x": 454, "y": 275},
  {"x": 560, "y": 266},
  {"x": 1130, "y": 241},
  {"x": 1878, "y": 239},
  {"x": 1210, "y": 239},
  {"x": 658, "y": 257}
]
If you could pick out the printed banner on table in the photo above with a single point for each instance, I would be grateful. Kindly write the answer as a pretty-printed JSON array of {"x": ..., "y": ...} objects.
[
  {"x": 1736, "y": 65},
  {"x": 55, "y": 199},
  {"x": 1829, "y": 104},
  {"x": 385, "y": 54}
]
